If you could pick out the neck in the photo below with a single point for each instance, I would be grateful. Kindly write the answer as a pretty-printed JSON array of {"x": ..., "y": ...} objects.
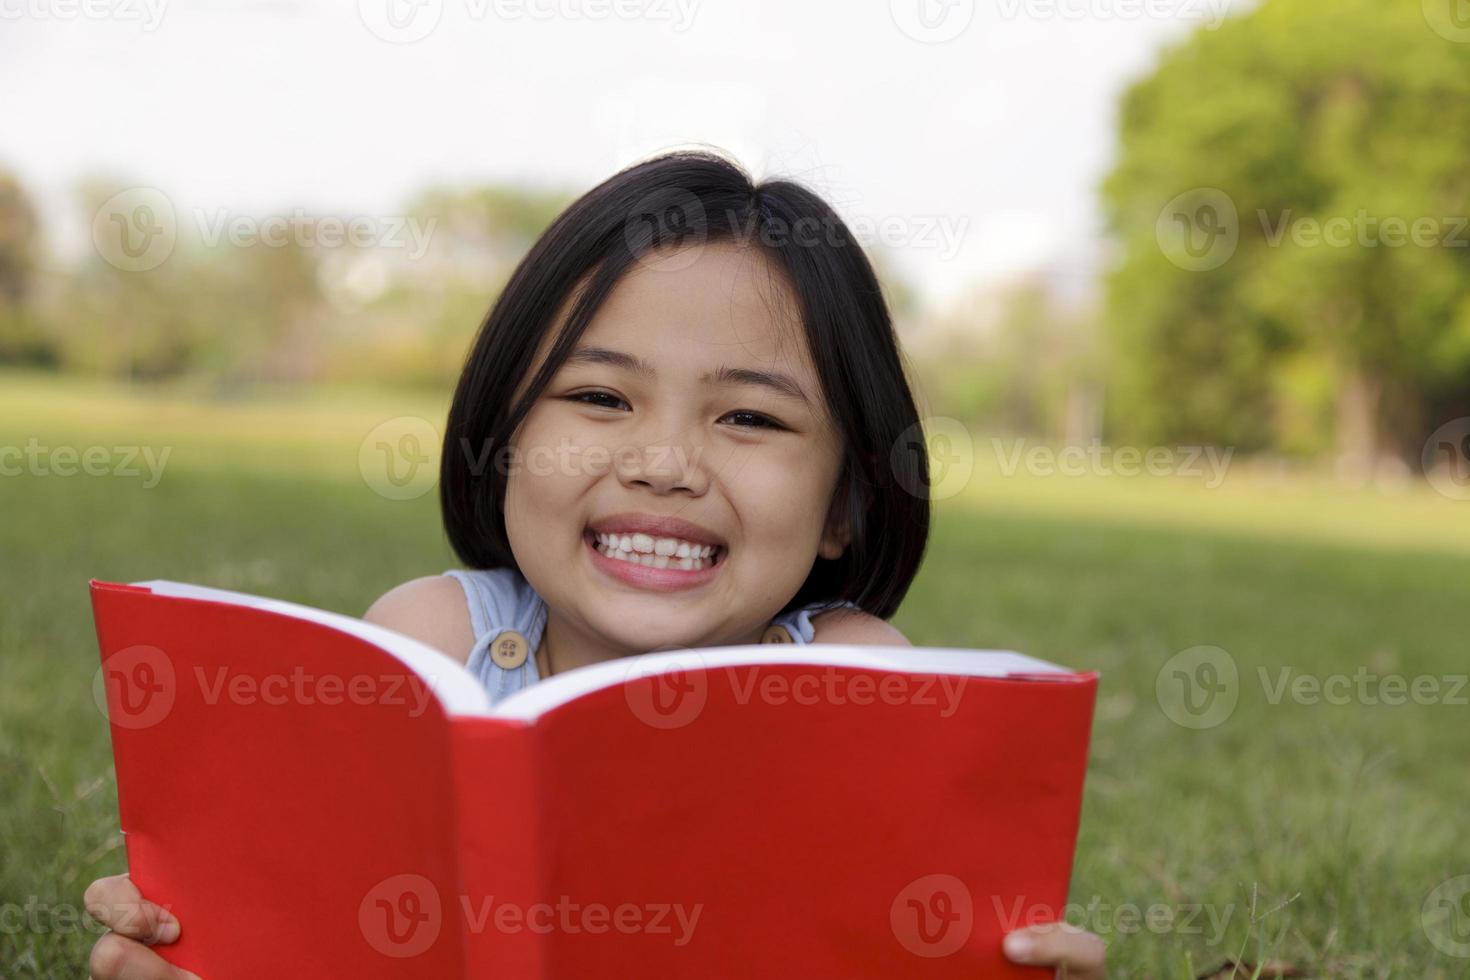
[{"x": 564, "y": 647}]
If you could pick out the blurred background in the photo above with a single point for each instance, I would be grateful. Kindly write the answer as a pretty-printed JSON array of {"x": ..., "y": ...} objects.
[{"x": 1184, "y": 286}]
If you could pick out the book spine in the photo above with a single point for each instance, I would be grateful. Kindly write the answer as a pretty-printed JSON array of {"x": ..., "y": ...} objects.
[
  {"x": 128, "y": 729},
  {"x": 501, "y": 848}
]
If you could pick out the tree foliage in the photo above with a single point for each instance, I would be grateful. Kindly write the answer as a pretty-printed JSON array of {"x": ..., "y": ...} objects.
[{"x": 1320, "y": 150}]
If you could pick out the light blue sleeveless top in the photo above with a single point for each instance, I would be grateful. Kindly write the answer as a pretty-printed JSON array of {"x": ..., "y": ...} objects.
[{"x": 500, "y": 599}]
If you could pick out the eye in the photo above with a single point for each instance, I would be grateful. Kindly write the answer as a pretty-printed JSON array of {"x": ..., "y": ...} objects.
[
  {"x": 587, "y": 398},
  {"x": 758, "y": 421}
]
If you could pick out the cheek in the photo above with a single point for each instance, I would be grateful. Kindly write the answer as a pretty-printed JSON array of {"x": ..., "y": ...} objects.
[
  {"x": 543, "y": 477},
  {"x": 782, "y": 500}
]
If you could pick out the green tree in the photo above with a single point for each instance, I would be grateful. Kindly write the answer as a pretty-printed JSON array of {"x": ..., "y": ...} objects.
[
  {"x": 1289, "y": 197},
  {"x": 22, "y": 337}
]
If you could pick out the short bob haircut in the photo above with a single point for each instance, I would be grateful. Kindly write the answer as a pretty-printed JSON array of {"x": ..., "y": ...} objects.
[{"x": 686, "y": 198}]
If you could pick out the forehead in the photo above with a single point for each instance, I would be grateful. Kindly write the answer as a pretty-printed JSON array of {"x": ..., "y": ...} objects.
[{"x": 711, "y": 305}]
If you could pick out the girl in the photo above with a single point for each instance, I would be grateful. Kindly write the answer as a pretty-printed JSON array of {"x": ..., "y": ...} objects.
[{"x": 684, "y": 423}]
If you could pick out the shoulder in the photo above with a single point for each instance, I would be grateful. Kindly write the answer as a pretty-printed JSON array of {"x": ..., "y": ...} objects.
[
  {"x": 432, "y": 610},
  {"x": 856, "y": 627}
]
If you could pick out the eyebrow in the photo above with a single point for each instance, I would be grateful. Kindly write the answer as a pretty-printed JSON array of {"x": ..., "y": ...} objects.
[{"x": 782, "y": 384}]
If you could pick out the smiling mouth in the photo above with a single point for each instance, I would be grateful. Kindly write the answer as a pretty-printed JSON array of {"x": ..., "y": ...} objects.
[{"x": 674, "y": 554}]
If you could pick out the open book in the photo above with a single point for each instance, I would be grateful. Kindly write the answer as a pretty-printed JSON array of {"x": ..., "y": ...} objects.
[{"x": 313, "y": 795}]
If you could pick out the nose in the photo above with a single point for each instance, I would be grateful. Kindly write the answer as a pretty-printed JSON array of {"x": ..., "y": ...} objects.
[{"x": 664, "y": 465}]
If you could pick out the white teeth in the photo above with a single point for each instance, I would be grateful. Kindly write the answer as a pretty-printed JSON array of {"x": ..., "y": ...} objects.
[
  {"x": 611, "y": 546},
  {"x": 644, "y": 549}
]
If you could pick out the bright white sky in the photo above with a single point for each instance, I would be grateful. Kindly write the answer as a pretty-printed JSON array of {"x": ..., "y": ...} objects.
[{"x": 999, "y": 134}]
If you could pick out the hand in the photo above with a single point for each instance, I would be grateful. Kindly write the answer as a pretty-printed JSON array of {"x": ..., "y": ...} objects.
[
  {"x": 1076, "y": 955},
  {"x": 136, "y": 924}
]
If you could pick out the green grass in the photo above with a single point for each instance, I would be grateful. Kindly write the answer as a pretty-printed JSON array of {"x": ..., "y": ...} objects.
[{"x": 1333, "y": 822}]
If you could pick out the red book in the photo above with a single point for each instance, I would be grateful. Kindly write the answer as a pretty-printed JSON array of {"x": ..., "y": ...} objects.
[{"x": 315, "y": 796}]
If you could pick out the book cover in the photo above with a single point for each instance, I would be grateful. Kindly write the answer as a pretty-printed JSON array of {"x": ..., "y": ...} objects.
[{"x": 314, "y": 795}]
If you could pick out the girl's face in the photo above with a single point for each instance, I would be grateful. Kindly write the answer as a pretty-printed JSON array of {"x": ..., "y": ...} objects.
[{"x": 691, "y": 397}]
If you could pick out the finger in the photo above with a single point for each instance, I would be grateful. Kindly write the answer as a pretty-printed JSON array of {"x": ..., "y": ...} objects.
[
  {"x": 1059, "y": 944},
  {"x": 119, "y": 958},
  {"x": 116, "y": 902}
]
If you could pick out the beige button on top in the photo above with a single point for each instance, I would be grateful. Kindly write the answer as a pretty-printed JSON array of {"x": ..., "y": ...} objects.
[
  {"x": 509, "y": 650},
  {"x": 776, "y": 633}
]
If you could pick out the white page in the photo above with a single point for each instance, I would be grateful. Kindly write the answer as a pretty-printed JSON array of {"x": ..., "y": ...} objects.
[
  {"x": 541, "y": 697},
  {"x": 462, "y": 694},
  {"x": 457, "y": 689}
]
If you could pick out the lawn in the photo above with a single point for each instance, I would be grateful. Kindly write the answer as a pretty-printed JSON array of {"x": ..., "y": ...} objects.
[{"x": 1311, "y": 828}]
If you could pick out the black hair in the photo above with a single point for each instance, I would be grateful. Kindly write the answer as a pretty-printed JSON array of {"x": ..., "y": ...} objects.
[{"x": 691, "y": 197}]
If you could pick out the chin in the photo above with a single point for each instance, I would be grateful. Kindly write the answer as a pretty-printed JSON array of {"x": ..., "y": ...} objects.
[{"x": 627, "y": 628}]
